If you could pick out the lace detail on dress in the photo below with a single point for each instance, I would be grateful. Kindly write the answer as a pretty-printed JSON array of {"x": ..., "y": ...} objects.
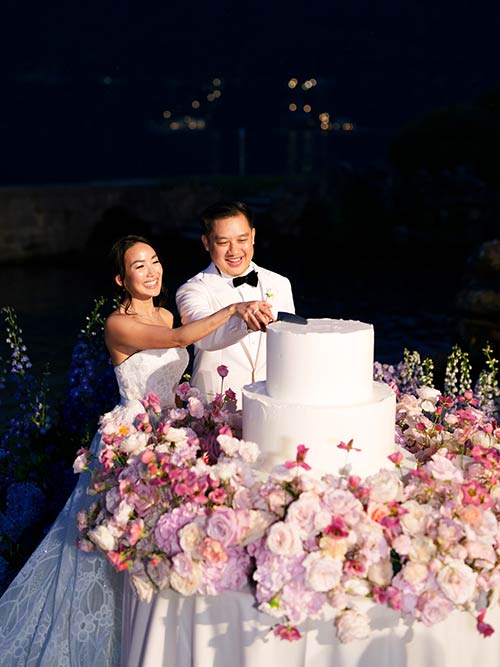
[
  {"x": 64, "y": 608},
  {"x": 152, "y": 370}
]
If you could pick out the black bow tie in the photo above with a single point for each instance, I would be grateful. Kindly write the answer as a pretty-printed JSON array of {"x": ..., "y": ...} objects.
[{"x": 250, "y": 278}]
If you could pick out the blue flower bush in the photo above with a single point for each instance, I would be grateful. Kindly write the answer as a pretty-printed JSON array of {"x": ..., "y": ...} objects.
[{"x": 38, "y": 440}]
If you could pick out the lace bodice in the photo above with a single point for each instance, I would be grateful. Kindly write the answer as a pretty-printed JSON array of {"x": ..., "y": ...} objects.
[{"x": 151, "y": 370}]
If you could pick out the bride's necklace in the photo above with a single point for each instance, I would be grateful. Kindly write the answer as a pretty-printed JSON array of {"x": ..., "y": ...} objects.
[{"x": 144, "y": 317}]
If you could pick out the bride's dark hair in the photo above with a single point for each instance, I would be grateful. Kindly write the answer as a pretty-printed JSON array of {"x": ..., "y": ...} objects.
[{"x": 117, "y": 261}]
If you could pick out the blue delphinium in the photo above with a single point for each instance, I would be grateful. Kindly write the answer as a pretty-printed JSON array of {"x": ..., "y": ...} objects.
[
  {"x": 92, "y": 387},
  {"x": 24, "y": 506},
  {"x": 37, "y": 442},
  {"x": 408, "y": 375}
]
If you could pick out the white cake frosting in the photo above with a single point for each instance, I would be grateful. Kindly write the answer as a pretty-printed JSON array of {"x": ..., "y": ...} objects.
[
  {"x": 320, "y": 392},
  {"x": 325, "y": 362}
]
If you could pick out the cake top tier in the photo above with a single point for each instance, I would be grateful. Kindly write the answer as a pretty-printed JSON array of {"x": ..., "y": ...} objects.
[
  {"x": 323, "y": 362},
  {"x": 323, "y": 325}
]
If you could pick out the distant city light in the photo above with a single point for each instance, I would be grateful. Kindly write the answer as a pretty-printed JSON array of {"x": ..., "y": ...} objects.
[
  {"x": 216, "y": 93},
  {"x": 324, "y": 126},
  {"x": 292, "y": 107},
  {"x": 292, "y": 83},
  {"x": 195, "y": 104},
  {"x": 314, "y": 82},
  {"x": 307, "y": 108},
  {"x": 174, "y": 125},
  {"x": 210, "y": 97},
  {"x": 216, "y": 82},
  {"x": 167, "y": 114},
  {"x": 347, "y": 127},
  {"x": 324, "y": 117}
]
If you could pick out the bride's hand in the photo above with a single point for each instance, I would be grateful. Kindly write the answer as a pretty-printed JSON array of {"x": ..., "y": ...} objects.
[{"x": 256, "y": 314}]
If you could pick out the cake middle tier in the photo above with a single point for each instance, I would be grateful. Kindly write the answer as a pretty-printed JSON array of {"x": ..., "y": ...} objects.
[{"x": 279, "y": 427}]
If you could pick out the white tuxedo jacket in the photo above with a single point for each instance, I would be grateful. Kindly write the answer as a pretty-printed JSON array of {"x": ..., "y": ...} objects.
[{"x": 243, "y": 352}]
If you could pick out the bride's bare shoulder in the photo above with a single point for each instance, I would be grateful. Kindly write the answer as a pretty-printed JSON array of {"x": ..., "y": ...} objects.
[
  {"x": 115, "y": 318},
  {"x": 166, "y": 317}
]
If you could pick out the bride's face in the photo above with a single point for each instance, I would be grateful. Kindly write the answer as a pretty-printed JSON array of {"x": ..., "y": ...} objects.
[{"x": 143, "y": 272}]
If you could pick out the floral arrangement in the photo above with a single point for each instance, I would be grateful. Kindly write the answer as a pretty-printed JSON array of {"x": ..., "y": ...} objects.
[
  {"x": 180, "y": 503},
  {"x": 171, "y": 509}
]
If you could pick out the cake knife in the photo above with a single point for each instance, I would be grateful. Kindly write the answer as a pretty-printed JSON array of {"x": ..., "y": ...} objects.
[{"x": 290, "y": 317}]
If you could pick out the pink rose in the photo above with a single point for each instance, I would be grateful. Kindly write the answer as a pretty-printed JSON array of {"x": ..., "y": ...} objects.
[
  {"x": 302, "y": 512},
  {"x": 196, "y": 407},
  {"x": 433, "y": 608},
  {"x": 283, "y": 539},
  {"x": 223, "y": 526},
  {"x": 213, "y": 551}
]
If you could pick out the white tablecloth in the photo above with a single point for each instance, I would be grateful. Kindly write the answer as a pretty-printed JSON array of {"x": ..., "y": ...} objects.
[{"x": 227, "y": 631}]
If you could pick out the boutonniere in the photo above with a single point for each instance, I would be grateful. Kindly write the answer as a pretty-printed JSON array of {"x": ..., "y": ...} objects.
[{"x": 269, "y": 293}]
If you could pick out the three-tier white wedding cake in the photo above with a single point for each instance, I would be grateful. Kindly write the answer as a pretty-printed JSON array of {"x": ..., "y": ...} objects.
[{"x": 320, "y": 392}]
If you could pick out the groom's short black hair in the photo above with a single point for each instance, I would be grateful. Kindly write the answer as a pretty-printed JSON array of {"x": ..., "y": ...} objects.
[{"x": 221, "y": 210}]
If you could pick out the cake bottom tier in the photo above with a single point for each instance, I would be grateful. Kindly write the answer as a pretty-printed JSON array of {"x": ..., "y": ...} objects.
[{"x": 279, "y": 427}]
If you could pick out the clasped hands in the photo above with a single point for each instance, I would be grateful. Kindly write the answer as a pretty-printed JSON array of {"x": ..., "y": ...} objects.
[{"x": 256, "y": 314}]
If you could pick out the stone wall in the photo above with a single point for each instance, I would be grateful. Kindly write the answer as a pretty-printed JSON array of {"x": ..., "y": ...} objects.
[{"x": 36, "y": 222}]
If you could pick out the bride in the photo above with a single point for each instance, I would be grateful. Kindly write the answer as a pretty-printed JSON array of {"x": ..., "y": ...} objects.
[{"x": 64, "y": 608}]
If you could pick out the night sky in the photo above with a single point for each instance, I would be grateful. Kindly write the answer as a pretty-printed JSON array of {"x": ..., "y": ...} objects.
[{"x": 93, "y": 75}]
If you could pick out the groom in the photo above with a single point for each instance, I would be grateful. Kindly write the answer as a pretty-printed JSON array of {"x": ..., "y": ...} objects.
[{"x": 228, "y": 235}]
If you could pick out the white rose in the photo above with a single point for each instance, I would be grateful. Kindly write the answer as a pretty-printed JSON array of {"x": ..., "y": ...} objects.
[
  {"x": 249, "y": 451},
  {"x": 381, "y": 573},
  {"x": 351, "y": 624},
  {"x": 134, "y": 443},
  {"x": 422, "y": 549},
  {"x": 80, "y": 463},
  {"x": 385, "y": 486},
  {"x": 428, "y": 393},
  {"x": 190, "y": 538},
  {"x": 428, "y": 406},
  {"x": 322, "y": 572},
  {"x": 416, "y": 519},
  {"x": 143, "y": 588},
  {"x": 177, "y": 434},
  {"x": 415, "y": 574},
  {"x": 228, "y": 444},
  {"x": 457, "y": 581},
  {"x": 359, "y": 587},
  {"x": 187, "y": 585},
  {"x": 122, "y": 515},
  {"x": 482, "y": 439},
  {"x": 102, "y": 538},
  {"x": 225, "y": 470}
]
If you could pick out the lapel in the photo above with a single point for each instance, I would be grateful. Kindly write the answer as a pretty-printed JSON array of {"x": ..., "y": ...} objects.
[{"x": 219, "y": 289}]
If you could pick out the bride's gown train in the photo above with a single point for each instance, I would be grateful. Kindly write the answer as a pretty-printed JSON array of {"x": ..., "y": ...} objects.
[{"x": 64, "y": 608}]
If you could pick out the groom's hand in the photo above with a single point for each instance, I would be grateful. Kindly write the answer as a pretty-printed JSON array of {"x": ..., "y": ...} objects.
[{"x": 256, "y": 314}]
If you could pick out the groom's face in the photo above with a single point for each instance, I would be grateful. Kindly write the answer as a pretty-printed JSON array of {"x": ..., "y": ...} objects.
[{"x": 230, "y": 244}]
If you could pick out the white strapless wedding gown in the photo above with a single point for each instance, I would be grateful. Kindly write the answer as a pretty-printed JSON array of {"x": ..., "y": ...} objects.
[{"x": 64, "y": 608}]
